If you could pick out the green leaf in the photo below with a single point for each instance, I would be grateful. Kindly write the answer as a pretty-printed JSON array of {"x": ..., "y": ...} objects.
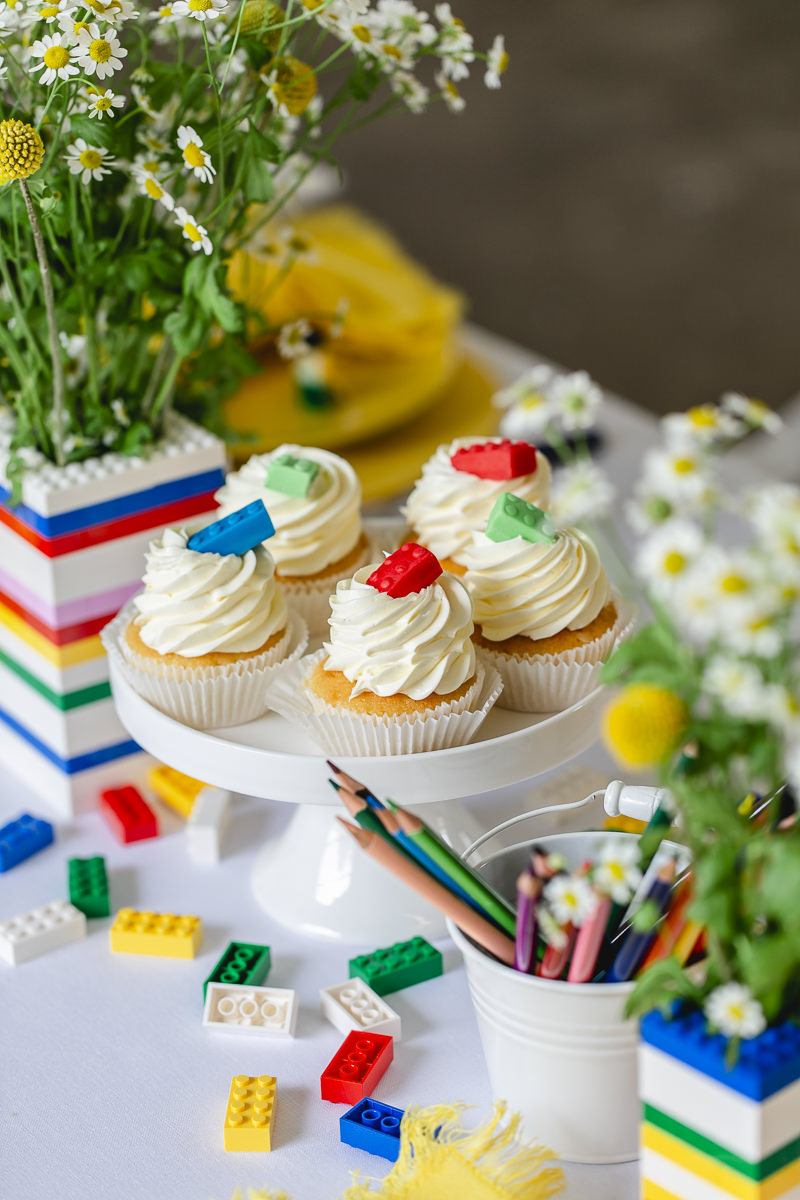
[
  {"x": 185, "y": 327},
  {"x": 660, "y": 986},
  {"x": 258, "y": 186},
  {"x": 96, "y": 133},
  {"x": 264, "y": 148}
]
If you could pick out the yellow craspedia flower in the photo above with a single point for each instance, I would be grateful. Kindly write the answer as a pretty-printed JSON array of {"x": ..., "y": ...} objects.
[
  {"x": 644, "y": 724},
  {"x": 21, "y": 150},
  {"x": 259, "y": 16},
  {"x": 295, "y": 84}
]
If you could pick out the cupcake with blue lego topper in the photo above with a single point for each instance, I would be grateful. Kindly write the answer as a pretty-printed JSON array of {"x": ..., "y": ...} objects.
[
  {"x": 545, "y": 611},
  {"x": 400, "y": 672},
  {"x": 202, "y": 640},
  {"x": 459, "y": 485},
  {"x": 314, "y": 500}
]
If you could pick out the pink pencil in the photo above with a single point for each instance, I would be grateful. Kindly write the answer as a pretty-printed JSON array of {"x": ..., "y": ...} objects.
[
  {"x": 588, "y": 942},
  {"x": 554, "y": 960}
]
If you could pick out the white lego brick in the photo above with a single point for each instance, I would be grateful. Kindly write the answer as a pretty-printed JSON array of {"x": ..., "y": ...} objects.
[
  {"x": 354, "y": 1005},
  {"x": 676, "y": 1181},
  {"x": 749, "y": 1128},
  {"x": 50, "y": 490},
  {"x": 237, "y": 1008},
  {"x": 61, "y": 680},
  {"x": 68, "y": 733},
  {"x": 206, "y": 825},
  {"x": 40, "y": 931}
]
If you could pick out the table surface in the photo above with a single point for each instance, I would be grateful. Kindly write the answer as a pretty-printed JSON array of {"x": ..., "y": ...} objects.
[{"x": 109, "y": 1084}]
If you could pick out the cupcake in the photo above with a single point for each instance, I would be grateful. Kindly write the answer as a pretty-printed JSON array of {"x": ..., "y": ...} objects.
[
  {"x": 459, "y": 485},
  {"x": 201, "y": 641},
  {"x": 314, "y": 500},
  {"x": 544, "y": 609},
  {"x": 400, "y": 672}
]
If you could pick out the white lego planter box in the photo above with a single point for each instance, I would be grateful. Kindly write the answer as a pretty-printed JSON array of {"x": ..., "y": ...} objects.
[
  {"x": 69, "y": 734},
  {"x": 238, "y": 1008},
  {"x": 354, "y": 1005},
  {"x": 206, "y": 825},
  {"x": 40, "y": 930}
]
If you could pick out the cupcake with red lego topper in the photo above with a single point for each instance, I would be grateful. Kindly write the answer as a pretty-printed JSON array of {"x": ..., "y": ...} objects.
[
  {"x": 400, "y": 672},
  {"x": 545, "y": 613},
  {"x": 460, "y": 484}
]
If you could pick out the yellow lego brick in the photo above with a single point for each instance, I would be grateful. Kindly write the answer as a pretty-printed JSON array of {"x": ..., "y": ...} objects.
[
  {"x": 177, "y": 790},
  {"x": 164, "y": 934},
  {"x": 714, "y": 1172},
  {"x": 250, "y": 1112}
]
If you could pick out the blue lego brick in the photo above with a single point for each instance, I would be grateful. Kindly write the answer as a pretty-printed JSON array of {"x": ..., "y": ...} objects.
[
  {"x": 70, "y": 766},
  {"x": 235, "y": 534},
  {"x": 21, "y": 838},
  {"x": 121, "y": 506},
  {"x": 765, "y": 1064},
  {"x": 374, "y": 1127}
]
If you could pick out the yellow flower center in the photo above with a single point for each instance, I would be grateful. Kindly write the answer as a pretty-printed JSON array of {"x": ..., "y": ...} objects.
[
  {"x": 674, "y": 562},
  {"x": 150, "y": 165},
  {"x": 49, "y": 10},
  {"x": 644, "y": 724},
  {"x": 200, "y": 5},
  {"x": 534, "y": 400},
  {"x": 192, "y": 232},
  {"x": 703, "y": 417},
  {"x": 736, "y": 1012},
  {"x": 733, "y": 583},
  {"x": 21, "y": 150},
  {"x": 56, "y": 57},
  {"x": 102, "y": 103},
  {"x": 153, "y": 189},
  {"x": 100, "y": 50},
  {"x": 683, "y": 466},
  {"x": 91, "y": 159},
  {"x": 615, "y": 871},
  {"x": 502, "y": 63},
  {"x": 194, "y": 155},
  {"x": 392, "y": 51},
  {"x": 78, "y": 26},
  {"x": 362, "y": 33}
]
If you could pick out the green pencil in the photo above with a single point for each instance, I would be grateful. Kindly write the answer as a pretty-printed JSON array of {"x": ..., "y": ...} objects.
[
  {"x": 468, "y": 880},
  {"x": 366, "y": 817}
]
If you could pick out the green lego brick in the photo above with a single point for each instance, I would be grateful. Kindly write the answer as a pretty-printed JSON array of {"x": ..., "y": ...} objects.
[
  {"x": 242, "y": 962},
  {"x": 398, "y": 966},
  {"x": 757, "y": 1171},
  {"x": 88, "y": 886},
  {"x": 292, "y": 476},
  {"x": 512, "y": 517}
]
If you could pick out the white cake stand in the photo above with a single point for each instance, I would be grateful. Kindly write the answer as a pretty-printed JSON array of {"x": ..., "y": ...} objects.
[{"x": 312, "y": 877}]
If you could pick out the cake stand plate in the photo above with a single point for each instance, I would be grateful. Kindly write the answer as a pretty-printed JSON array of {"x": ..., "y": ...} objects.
[{"x": 312, "y": 877}]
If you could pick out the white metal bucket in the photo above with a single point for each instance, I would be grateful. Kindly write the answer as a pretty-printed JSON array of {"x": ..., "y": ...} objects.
[{"x": 561, "y": 1054}]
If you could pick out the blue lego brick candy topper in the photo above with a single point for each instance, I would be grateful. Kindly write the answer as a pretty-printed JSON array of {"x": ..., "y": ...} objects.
[
  {"x": 374, "y": 1127},
  {"x": 243, "y": 530}
]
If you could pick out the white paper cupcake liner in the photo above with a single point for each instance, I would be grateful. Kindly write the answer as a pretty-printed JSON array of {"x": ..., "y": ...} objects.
[
  {"x": 205, "y": 697},
  {"x": 553, "y": 682},
  {"x": 341, "y": 732},
  {"x": 312, "y": 600}
]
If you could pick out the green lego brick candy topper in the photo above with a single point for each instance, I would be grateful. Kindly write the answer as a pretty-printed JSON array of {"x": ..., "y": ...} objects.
[
  {"x": 398, "y": 966},
  {"x": 292, "y": 476},
  {"x": 513, "y": 517}
]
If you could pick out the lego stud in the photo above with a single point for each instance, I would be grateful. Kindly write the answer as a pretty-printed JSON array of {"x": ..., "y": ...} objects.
[
  {"x": 513, "y": 517},
  {"x": 409, "y": 569},
  {"x": 243, "y": 530}
]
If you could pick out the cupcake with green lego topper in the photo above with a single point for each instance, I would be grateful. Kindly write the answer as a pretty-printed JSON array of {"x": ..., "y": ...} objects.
[
  {"x": 459, "y": 486},
  {"x": 202, "y": 640},
  {"x": 314, "y": 500},
  {"x": 400, "y": 672},
  {"x": 545, "y": 612}
]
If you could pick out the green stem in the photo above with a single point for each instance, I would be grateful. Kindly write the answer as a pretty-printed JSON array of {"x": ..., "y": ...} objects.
[
  {"x": 52, "y": 326},
  {"x": 164, "y": 392}
]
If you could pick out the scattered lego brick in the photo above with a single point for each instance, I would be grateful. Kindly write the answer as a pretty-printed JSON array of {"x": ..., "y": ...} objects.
[
  {"x": 235, "y": 534},
  {"x": 163, "y": 934},
  {"x": 513, "y": 517},
  {"x": 250, "y": 1114},
  {"x": 291, "y": 476},
  {"x": 22, "y": 838},
  {"x": 206, "y": 825},
  {"x": 40, "y": 931},
  {"x": 175, "y": 789},
  {"x": 374, "y": 1127},
  {"x": 496, "y": 460},
  {"x": 356, "y": 1067},
  {"x": 409, "y": 569},
  {"x": 242, "y": 963},
  {"x": 237, "y": 1008},
  {"x": 88, "y": 886},
  {"x": 398, "y": 966},
  {"x": 354, "y": 1005},
  {"x": 130, "y": 818}
]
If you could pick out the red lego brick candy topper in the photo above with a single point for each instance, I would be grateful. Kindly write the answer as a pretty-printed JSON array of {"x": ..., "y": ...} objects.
[
  {"x": 496, "y": 460},
  {"x": 409, "y": 569}
]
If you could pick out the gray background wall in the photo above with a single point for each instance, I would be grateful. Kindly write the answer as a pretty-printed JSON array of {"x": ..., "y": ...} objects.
[{"x": 629, "y": 202}]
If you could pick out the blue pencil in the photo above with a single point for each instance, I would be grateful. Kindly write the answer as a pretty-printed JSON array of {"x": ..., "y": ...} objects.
[
  {"x": 392, "y": 826},
  {"x": 635, "y": 946}
]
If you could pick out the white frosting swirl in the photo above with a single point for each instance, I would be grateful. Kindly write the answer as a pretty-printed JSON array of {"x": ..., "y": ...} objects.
[
  {"x": 417, "y": 645},
  {"x": 535, "y": 588},
  {"x": 312, "y": 531},
  {"x": 196, "y": 603},
  {"x": 446, "y": 506}
]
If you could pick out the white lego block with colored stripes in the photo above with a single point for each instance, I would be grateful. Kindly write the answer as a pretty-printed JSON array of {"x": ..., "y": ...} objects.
[
  {"x": 69, "y": 732},
  {"x": 690, "y": 1175},
  {"x": 34, "y": 653}
]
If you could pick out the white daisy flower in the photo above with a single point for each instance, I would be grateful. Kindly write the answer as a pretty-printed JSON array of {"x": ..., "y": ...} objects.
[
  {"x": 152, "y": 140},
  {"x": 115, "y": 12},
  {"x": 76, "y": 363},
  {"x": 120, "y": 413},
  {"x": 774, "y": 510},
  {"x": 194, "y": 156},
  {"x": 735, "y": 580},
  {"x": 3, "y": 71},
  {"x": 414, "y": 94},
  {"x": 99, "y": 102},
  {"x": 12, "y": 17},
  {"x": 534, "y": 382},
  {"x": 51, "y": 12},
  {"x": 571, "y": 899},
  {"x": 647, "y": 511},
  {"x": 580, "y": 490},
  {"x": 550, "y": 929},
  {"x": 455, "y": 45},
  {"x": 678, "y": 474},
  {"x": 750, "y": 628},
  {"x": 56, "y": 58},
  {"x": 450, "y": 93},
  {"x": 616, "y": 872},
  {"x": 704, "y": 425},
  {"x": 496, "y": 62},
  {"x": 150, "y": 185},
  {"x": 192, "y": 231},
  {"x": 733, "y": 1010},
  {"x": 783, "y": 710},
  {"x": 738, "y": 686},
  {"x": 669, "y": 553},
  {"x": 293, "y": 339},
  {"x": 100, "y": 54},
  {"x": 753, "y": 413},
  {"x": 90, "y": 162},
  {"x": 575, "y": 399},
  {"x": 199, "y": 10}
]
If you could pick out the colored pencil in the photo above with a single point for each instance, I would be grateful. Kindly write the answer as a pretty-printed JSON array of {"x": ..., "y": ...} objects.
[
  {"x": 687, "y": 940},
  {"x": 635, "y": 945},
  {"x": 360, "y": 811},
  {"x": 589, "y": 941},
  {"x": 472, "y": 924},
  {"x": 529, "y": 889},
  {"x": 391, "y": 825},
  {"x": 358, "y": 789},
  {"x": 669, "y": 929},
  {"x": 556, "y": 958}
]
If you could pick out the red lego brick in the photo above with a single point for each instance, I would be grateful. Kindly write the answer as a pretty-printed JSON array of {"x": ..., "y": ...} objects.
[
  {"x": 409, "y": 569},
  {"x": 130, "y": 818},
  {"x": 496, "y": 460},
  {"x": 356, "y": 1067}
]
